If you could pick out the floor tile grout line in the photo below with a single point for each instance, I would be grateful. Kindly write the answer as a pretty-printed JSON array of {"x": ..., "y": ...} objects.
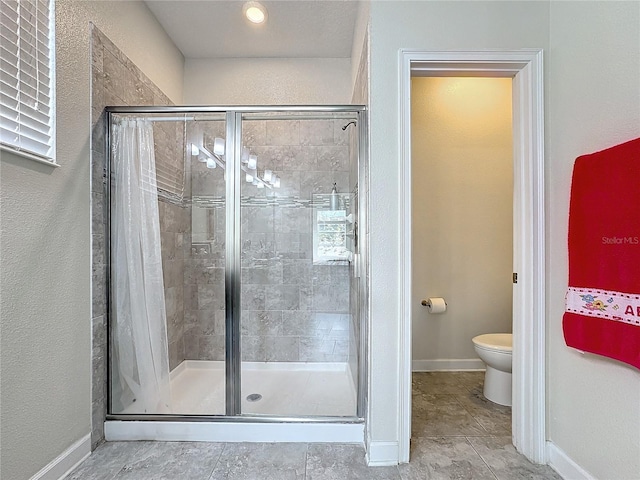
[
  {"x": 482, "y": 458},
  {"x": 472, "y": 416},
  {"x": 306, "y": 461},
  {"x": 147, "y": 446},
  {"x": 224, "y": 448}
]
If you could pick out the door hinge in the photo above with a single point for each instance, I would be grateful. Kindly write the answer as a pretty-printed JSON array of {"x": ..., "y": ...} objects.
[{"x": 515, "y": 277}]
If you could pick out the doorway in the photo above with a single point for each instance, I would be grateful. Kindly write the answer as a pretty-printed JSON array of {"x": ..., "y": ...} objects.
[
  {"x": 462, "y": 161},
  {"x": 524, "y": 67}
]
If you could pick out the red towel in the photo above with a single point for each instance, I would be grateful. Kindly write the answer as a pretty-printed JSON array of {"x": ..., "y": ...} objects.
[{"x": 603, "y": 301}]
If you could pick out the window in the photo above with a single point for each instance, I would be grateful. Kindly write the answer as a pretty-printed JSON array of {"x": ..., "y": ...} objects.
[
  {"x": 330, "y": 236},
  {"x": 27, "y": 78}
]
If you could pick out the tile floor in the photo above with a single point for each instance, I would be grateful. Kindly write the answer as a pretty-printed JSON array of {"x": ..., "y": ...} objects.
[{"x": 457, "y": 434}]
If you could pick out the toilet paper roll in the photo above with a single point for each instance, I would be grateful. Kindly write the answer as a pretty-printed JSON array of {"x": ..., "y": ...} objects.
[{"x": 436, "y": 305}]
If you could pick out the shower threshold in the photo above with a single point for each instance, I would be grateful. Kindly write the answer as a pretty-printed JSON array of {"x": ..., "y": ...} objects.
[{"x": 235, "y": 431}]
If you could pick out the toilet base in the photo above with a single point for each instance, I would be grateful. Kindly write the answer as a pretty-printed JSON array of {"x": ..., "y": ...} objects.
[{"x": 497, "y": 386}]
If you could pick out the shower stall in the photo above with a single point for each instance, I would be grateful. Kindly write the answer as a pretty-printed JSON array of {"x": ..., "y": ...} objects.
[{"x": 238, "y": 271}]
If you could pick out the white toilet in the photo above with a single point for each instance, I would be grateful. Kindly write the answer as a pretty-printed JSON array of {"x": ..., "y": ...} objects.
[{"x": 494, "y": 349}]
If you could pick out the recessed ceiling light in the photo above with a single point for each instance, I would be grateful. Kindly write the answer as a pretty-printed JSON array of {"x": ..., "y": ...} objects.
[{"x": 255, "y": 12}]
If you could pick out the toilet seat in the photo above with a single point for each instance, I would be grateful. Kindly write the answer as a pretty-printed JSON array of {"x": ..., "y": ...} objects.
[{"x": 496, "y": 342}]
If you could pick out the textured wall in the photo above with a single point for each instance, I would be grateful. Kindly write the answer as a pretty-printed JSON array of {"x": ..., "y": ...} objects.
[
  {"x": 462, "y": 171},
  {"x": 267, "y": 81},
  {"x": 46, "y": 225},
  {"x": 437, "y": 25},
  {"x": 593, "y": 103}
]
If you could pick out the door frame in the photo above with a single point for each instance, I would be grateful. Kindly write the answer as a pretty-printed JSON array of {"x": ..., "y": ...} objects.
[{"x": 526, "y": 68}]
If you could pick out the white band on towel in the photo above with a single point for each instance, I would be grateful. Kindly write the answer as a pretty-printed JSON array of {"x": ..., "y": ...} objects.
[{"x": 617, "y": 306}]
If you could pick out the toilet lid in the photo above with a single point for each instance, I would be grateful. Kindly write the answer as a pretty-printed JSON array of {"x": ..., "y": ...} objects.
[{"x": 497, "y": 341}]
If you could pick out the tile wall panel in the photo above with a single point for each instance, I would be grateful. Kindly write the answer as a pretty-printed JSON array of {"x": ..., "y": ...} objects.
[
  {"x": 292, "y": 310},
  {"x": 117, "y": 81}
]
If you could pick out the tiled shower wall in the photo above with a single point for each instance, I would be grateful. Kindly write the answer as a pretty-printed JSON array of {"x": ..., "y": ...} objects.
[
  {"x": 117, "y": 81},
  {"x": 292, "y": 309},
  {"x": 204, "y": 275}
]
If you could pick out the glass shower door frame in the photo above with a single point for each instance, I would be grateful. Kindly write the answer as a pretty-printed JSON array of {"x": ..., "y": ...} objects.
[
  {"x": 233, "y": 149},
  {"x": 233, "y": 270}
]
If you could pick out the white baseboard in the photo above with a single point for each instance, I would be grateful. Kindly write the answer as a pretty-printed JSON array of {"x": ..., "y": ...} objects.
[
  {"x": 564, "y": 465},
  {"x": 234, "y": 432},
  {"x": 380, "y": 454},
  {"x": 442, "y": 364},
  {"x": 60, "y": 466}
]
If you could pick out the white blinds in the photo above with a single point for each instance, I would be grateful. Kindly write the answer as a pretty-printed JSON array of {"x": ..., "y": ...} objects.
[{"x": 26, "y": 77}]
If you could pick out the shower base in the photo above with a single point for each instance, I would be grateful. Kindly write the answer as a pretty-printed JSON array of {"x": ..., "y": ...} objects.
[
  {"x": 286, "y": 389},
  {"x": 300, "y": 393}
]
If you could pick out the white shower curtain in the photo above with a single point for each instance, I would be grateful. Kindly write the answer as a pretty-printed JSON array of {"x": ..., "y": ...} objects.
[{"x": 140, "y": 333}]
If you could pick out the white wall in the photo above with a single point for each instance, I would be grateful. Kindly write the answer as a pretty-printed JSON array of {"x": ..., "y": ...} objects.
[
  {"x": 267, "y": 81},
  {"x": 462, "y": 215},
  {"x": 45, "y": 240},
  {"x": 593, "y": 102},
  {"x": 436, "y": 25}
]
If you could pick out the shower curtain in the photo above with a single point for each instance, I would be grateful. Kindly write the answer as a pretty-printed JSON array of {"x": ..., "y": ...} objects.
[{"x": 141, "y": 354}]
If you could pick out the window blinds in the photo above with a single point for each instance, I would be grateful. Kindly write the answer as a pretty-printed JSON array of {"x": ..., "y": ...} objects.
[{"x": 26, "y": 77}]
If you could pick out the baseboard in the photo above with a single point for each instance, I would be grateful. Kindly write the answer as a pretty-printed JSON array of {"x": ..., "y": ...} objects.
[
  {"x": 442, "y": 364},
  {"x": 60, "y": 466},
  {"x": 381, "y": 454},
  {"x": 564, "y": 465}
]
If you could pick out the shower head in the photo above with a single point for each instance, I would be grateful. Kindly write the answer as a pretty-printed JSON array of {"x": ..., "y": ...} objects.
[{"x": 351, "y": 122}]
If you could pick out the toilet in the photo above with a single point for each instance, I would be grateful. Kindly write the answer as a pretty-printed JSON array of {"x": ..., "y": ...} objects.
[{"x": 494, "y": 349}]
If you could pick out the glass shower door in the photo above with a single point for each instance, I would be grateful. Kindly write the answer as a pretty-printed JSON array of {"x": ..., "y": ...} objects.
[
  {"x": 295, "y": 265},
  {"x": 168, "y": 251}
]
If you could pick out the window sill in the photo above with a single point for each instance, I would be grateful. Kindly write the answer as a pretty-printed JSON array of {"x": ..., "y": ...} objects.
[{"x": 29, "y": 156}]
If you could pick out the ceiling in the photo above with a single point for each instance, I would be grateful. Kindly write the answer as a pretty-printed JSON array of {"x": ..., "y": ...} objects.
[{"x": 294, "y": 28}]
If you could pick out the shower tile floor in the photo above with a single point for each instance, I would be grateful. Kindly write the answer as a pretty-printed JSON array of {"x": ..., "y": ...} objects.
[
  {"x": 290, "y": 389},
  {"x": 457, "y": 434}
]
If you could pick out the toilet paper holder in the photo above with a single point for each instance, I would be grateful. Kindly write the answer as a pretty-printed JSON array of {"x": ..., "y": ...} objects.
[
  {"x": 435, "y": 304},
  {"x": 425, "y": 303}
]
